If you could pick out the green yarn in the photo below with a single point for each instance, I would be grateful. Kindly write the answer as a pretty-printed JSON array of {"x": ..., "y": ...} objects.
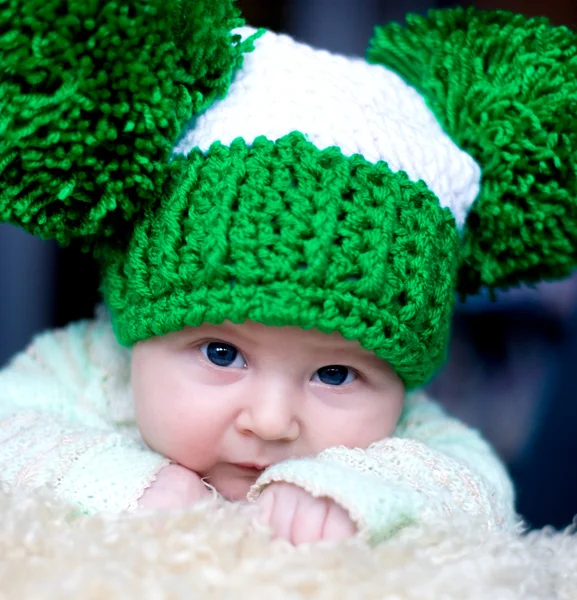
[
  {"x": 504, "y": 87},
  {"x": 286, "y": 234},
  {"x": 93, "y": 95}
]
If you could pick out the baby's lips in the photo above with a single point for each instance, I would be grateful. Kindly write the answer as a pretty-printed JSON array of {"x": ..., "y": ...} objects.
[{"x": 252, "y": 466}]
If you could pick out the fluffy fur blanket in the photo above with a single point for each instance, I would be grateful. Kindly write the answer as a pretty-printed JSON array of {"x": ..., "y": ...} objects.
[{"x": 216, "y": 551}]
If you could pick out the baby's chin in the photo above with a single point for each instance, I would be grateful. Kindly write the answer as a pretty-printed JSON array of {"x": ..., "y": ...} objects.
[{"x": 231, "y": 486}]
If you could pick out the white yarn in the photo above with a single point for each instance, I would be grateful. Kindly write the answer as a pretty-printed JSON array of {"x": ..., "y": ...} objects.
[{"x": 287, "y": 86}]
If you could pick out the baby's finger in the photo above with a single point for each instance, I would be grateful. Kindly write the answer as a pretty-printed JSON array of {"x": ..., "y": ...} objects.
[
  {"x": 309, "y": 520},
  {"x": 338, "y": 524},
  {"x": 266, "y": 504},
  {"x": 283, "y": 512}
]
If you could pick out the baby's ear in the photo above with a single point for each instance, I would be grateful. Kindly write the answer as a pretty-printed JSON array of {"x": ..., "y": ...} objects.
[
  {"x": 504, "y": 87},
  {"x": 93, "y": 95}
]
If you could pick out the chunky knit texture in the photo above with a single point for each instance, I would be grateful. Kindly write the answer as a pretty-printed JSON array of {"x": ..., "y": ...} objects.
[
  {"x": 345, "y": 216},
  {"x": 505, "y": 88},
  {"x": 334, "y": 100},
  {"x": 286, "y": 234},
  {"x": 92, "y": 97}
]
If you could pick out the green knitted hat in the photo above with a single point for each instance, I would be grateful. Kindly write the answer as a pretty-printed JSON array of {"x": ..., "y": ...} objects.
[{"x": 222, "y": 173}]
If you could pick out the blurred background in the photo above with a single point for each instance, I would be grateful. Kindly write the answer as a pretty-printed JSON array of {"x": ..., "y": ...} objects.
[{"x": 512, "y": 364}]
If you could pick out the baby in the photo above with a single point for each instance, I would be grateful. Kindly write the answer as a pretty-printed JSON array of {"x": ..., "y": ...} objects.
[
  {"x": 281, "y": 233},
  {"x": 314, "y": 428},
  {"x": 229, "y": 401}
]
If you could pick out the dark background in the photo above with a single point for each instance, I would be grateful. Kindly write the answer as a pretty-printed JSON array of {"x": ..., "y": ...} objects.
[{"x": 512, "y": 362}]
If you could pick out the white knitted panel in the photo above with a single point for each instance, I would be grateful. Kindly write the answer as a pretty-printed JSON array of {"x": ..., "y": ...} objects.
[{"x": 287, "y": 86}]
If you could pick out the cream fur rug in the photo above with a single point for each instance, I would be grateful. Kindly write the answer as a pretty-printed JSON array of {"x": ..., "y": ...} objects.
[{"x": 215, "y": 552}]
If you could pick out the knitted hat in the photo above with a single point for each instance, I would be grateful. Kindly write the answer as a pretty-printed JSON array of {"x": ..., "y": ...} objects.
[{"x": 219, "y": 172}]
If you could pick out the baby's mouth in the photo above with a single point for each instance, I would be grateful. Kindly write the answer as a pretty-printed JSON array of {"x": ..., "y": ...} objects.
[{"x": 251, "y": 468}]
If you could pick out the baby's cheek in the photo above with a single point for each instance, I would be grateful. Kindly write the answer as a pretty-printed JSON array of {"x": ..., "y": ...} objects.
[
  {"x": 380, "y": 427},
  {"x": 355, "y": 430},
  {"x": 187, "y": 440}
]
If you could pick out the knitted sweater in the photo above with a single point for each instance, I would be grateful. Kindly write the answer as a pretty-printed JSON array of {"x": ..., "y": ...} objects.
[{"x": 67, "y": 421}]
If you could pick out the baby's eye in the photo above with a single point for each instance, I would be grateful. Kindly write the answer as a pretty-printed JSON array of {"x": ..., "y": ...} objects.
[
  {"x": 223, "y": 354},
  {"x": 335, "y": 375}
]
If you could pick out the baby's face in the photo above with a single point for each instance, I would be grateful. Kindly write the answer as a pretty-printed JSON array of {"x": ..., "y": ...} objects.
[{"x": 226, "y": 401}]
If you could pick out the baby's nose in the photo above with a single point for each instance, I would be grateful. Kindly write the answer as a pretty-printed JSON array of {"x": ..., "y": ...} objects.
[{"x": 272, "y": 414}]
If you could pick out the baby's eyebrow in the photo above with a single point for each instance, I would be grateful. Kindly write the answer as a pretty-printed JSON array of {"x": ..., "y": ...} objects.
[
  {"x": 222, "y": 331},
  {"x": 346, "y": 350}
]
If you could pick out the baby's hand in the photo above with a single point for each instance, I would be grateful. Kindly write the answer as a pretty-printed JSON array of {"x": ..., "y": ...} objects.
[
  {"x": 175, "y": 487},
  {"x": 297, "y": 516}
]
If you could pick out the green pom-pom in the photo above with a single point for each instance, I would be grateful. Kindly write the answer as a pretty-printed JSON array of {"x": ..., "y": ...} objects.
[
  {"x": 93, "y": 94},
  {"x": 504, "y": 87}
]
